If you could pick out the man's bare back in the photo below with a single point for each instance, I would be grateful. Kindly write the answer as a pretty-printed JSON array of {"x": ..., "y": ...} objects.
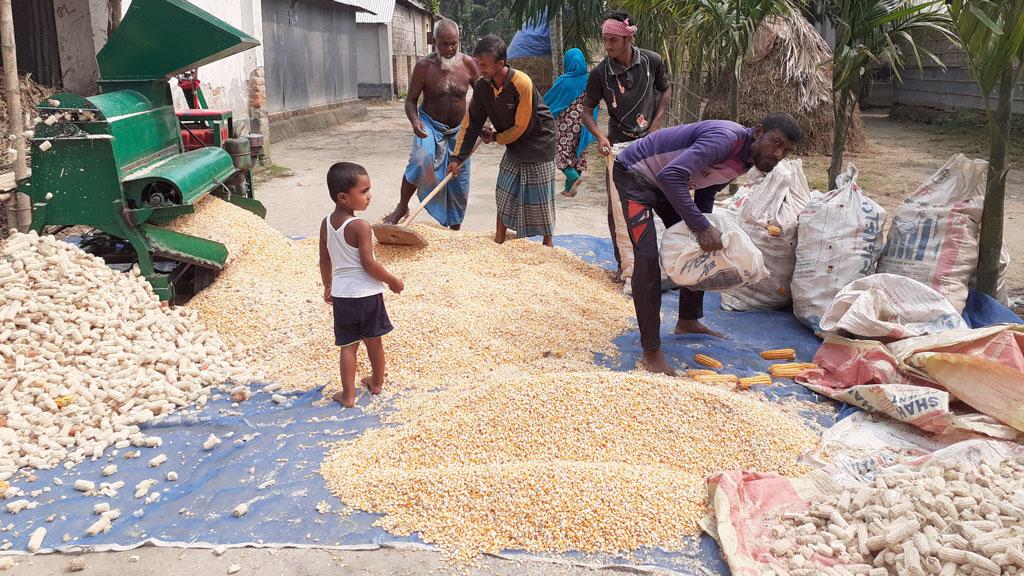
[{"x": 444, "y": 91}]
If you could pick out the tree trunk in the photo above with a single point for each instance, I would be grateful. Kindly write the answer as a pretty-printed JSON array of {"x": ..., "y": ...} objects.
[
  {"x": 19, "y": 206},
  {"x": 557, "y": 50},
  {"x": 734, "y": 99},
  {"x": 995, "y": 194},
  {"x": 694, "y": 89},
  {"x": 840, "y": 125},
  {"x": 113, "y": 16}
]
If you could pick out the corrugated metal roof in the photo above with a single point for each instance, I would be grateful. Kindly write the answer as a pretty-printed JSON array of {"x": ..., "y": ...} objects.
[
  {"x": 363, "y": 7},
  {"x": 383, "y": 11}
]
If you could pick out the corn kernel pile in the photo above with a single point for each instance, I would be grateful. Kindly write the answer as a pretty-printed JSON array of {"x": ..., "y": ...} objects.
[
  {"x": 468, "y": 303},
  {"x": 587, "y": 460}
]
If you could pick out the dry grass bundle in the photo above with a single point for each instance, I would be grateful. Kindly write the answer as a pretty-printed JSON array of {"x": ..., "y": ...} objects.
[
  {"x": 789, "y": 73},
  {"x": 469, "y": 304},
  {"x": 587, "y": 460},
  {"x": 31, "y": 95},
  {"x": 538, "y": 68}
]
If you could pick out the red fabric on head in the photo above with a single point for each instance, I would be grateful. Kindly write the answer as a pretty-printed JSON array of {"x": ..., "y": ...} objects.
[{"x": 613, "y": 27}]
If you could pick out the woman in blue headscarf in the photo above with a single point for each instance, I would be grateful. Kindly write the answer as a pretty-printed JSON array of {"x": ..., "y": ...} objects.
[{"x": 565, "y": 99}]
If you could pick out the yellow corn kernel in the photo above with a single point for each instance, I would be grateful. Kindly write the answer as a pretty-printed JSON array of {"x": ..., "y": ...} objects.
[
  {"x": 62, "y": 401},
  {"x": 759, "y": 379},
  {"x": 717, "y": 379},
  {"x": 695, "y": 373},
  {"x": 708, "y": 361},
  {"x": 774, "y": 231},
  {"x": 789, "y": 369},
  {"x": 779, "y": 354}
]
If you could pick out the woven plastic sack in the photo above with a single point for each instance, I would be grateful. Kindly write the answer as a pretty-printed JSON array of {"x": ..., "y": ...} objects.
[
  {"x": 840, "y": 239},
  {"x": 737, "y": 264},
  {"x": 890, "y": 307},
  {"x": 770, "y": 217},
  {"x": 934, "y": 233}
]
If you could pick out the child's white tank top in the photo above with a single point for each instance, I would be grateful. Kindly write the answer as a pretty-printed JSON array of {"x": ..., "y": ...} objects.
[{"x": 348, "y": 278}]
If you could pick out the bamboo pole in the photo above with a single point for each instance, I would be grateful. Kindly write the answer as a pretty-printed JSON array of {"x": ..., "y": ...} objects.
[{"x": 19, "y": 207}]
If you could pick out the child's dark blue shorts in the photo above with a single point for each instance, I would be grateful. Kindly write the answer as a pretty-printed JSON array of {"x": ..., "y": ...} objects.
[{"x": 358, "y": 318}]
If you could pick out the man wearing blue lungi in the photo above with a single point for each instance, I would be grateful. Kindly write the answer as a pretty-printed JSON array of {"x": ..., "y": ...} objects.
[{"x": 443, "y": 78}]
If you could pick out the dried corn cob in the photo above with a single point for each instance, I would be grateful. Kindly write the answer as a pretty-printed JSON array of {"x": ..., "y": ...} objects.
[
  {"x": 759, "y": 379},
  {"x": 705, "y": 360},
  {"x": 698, "y": 372},
  {"x": 789, "y": 369},
  {"x": 717, "y": 379},
  {"x": 779, "y": 354}
]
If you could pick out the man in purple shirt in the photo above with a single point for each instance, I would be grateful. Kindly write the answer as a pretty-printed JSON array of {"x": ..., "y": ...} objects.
[{"x": 655, "y": 175}]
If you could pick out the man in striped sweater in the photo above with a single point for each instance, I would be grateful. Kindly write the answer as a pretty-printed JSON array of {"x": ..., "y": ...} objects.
[
  {"x": 655, "y": 175},
  {"x": 525, "y": 191}
]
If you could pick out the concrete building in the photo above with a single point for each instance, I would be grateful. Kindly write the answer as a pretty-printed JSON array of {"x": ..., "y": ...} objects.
[
  {"x": 390, "y": 42},
  {"x": 302, "y": 77},
  {"x": 949, "y": 89}
]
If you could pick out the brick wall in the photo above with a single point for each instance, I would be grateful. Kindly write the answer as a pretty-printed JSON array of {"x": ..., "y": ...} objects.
[{"x": 409, "y": 35}]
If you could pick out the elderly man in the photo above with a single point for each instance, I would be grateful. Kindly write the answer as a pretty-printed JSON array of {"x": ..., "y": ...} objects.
[
  {"x": 443, "y": 78},
  {"x": 634, "y": 85},
  {"x": 655, "y": 175}
]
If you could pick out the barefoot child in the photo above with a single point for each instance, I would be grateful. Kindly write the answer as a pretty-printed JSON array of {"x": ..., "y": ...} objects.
[{"x": 353, "y": 279}]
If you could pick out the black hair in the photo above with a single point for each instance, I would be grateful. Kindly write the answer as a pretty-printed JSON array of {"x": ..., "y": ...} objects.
[
  {"x": 342, "y": 177},
  {"x": 620, "y": 15},
  {"x": 784, "y": 123},
  {"x": 493, "y": 45}
]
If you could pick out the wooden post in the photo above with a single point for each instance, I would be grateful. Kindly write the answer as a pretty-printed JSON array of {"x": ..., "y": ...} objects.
[{"x": 19, "y": 211}]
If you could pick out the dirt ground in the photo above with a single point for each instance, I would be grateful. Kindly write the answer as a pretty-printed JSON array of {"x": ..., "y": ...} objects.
[{"x": 898, "y": 159}]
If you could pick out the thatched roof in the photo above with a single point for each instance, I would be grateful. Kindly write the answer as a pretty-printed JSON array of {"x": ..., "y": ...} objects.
[{"x": 788, "y": 72}]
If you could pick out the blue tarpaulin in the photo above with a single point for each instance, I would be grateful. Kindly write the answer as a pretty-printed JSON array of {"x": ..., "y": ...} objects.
[
  {"x": 533, "y": 39},
  {"x": 270, "y": 456}
]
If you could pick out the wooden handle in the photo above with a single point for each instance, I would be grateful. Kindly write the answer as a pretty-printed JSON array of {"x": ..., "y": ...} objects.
[{"x": 437, "y": 189}]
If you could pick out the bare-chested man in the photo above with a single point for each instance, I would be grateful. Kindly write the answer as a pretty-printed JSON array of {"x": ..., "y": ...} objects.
[{"x": 443, "y": 78}]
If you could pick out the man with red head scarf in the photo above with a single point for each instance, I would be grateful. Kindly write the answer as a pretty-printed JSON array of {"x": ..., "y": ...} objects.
[{"x": 634, "y": 85}]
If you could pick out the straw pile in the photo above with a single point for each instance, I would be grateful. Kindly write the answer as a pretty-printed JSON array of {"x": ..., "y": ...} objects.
[
  {"x": 788, "y": 73},
  {"x": 538, "y": 68},
  {"x": 31, "y": 95},
  {"x": 585, "y": 460},
  {"x": 468, "y": 304}
]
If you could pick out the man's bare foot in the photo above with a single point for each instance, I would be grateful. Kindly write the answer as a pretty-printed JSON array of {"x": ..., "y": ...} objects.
[
  {"x": 344, "y": 400},
  {"x": 695, "y": 327},
  {"x": 655, "y": 362},
  {"x": 368, "y": 382},
  {"x": 456, "y": 227},
  {"x": 397, "y": 215}
]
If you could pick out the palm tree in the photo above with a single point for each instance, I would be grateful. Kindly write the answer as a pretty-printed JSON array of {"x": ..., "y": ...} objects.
[
  {"x": 688, "y": 33},
  {"x": 991, "y": 32},
  {"x": 871, "y": 34}
]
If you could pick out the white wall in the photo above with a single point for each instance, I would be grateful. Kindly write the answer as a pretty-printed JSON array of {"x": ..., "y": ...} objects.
[
  {"x": 225, "y": 82},
  {"x": 81, "y": 31}
]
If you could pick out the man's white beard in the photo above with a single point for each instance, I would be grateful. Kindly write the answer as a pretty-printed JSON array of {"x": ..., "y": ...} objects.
[{"x": 447, "y": 64}]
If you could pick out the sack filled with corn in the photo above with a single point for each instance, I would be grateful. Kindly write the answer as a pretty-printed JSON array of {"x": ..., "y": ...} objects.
[
  {"x": 770, "y": 218},
  {"x": 738, "y": 264},
  {"x": 840, "y": 240}
]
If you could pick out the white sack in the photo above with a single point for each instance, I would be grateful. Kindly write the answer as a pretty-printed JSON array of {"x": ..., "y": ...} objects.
[{"x": 737, "y": 264}]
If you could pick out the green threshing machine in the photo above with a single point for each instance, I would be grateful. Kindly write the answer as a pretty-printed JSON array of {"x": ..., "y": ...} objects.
[{"x": 116, "y": 162}]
